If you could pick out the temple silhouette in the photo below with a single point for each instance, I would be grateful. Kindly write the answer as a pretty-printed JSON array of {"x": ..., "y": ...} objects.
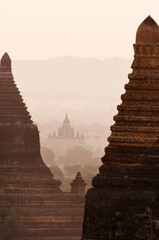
[
  {"x": 28, "y": 190},
  {"x": 123, "y": 203},
  {"x": 64, "y": 140}
]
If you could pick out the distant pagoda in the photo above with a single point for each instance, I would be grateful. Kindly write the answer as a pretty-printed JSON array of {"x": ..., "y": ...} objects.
[
  {"x": 28, "y": 191},
  {"x": 66, "y": 131},
  {"x": 119, "y": 205},
  {"x": 78, "y": 185},
  {"x": 64, "y": 140}
]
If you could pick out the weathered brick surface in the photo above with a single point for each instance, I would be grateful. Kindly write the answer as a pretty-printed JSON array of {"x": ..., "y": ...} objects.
[
  {"x": 27, "y": 188},
  {"x": 122, "y": 205}
]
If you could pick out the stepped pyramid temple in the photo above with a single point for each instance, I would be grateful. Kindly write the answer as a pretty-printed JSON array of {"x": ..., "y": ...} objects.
[
  {"x": 27, "y": 188},
  {"x": 64, "y": 140},
  {"x": 124, "y": 201}
]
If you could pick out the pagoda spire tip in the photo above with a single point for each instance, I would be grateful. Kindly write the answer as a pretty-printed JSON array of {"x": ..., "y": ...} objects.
[
  {"x": 5, "y": 60},
  {"x": 148, "y": 32}
]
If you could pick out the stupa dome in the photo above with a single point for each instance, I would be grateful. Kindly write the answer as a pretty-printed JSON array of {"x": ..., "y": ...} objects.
[{"x": 148, "y": 32}]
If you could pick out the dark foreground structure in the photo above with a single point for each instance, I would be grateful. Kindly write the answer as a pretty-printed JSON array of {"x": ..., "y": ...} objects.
[
  {"x": 28, "y": 191},
  {"x": 124, "y": 201}
]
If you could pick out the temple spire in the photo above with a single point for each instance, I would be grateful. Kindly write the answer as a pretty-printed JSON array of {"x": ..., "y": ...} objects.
[
  {"x": 66, "y": 120},
  {"x": 12, "y": 107},
  {"x": 148, "y": 32},
  {"x": 6, "y": 62},
  {"x": 66, "y": 130},
  {"x": 146, "y": 47}
]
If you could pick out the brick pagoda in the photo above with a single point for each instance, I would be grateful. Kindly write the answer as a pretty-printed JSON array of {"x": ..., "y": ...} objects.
[
  {"x": 123, "y": 203},
  {"x": 27, "y": 188},
  {"x": 21, "y": 165}
]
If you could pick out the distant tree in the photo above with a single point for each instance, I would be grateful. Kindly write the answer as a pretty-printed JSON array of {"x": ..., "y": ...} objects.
[
  {"x": 88, "y": 172},
  {"x": 11, "y": 229},
  {"x": 96, "y": 161},
  {"x": 57, "y": 172},
  {"x": 72, "y": 169},
  {"x": 90, "y": 169},
  {"x": 61, "y": 159},
  {"x": 48, "y": 155},
  {"x": 77, "y": 155},
  {"x": 88, "y": 178}
]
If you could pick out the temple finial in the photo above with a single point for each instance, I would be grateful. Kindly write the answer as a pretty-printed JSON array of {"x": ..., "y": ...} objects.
[
  {"x": 5, "y": 60},
  {"x": 66, "y": 120},
  {"x": 66, "y": 116},
  {"x": 148, "y": 32}
]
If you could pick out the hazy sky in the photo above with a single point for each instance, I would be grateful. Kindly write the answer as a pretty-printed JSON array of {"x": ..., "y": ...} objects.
[{"x": 41, "y": 29}]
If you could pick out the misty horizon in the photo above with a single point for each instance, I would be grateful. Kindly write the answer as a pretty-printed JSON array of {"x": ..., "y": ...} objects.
[
  {"x": 71, "y": 56},
  {"x": 87, "y": 88}
]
